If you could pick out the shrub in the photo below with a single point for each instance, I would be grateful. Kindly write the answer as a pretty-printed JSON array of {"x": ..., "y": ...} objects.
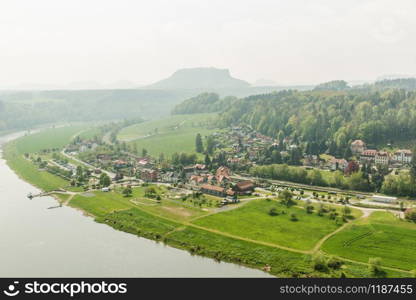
[
  {"x": 375, "y": 266},
  {"x": 293, "y": 217},
  {"x": 309, "y": 209},
  {"x": 334, "y": 263},
  {"x": 273, "y": 211},
  {"x": 411, "y": 215},
  {"x": 320, "y": 262}
]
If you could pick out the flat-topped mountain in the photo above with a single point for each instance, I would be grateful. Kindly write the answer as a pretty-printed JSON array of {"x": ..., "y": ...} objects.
[{"x": 197, "y": 78}]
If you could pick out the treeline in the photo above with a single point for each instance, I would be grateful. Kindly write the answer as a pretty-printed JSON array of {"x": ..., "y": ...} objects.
[
  {"x": 401, "y": 83},
  {"x": 356, "y": 181},
  {"x": 204, "y": 103},
  {"x": 335, "y": 85},
  {"x": 329, "y": 120}
]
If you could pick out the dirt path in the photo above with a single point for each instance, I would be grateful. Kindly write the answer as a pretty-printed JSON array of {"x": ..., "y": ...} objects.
[{"x": 69, "y": 199}]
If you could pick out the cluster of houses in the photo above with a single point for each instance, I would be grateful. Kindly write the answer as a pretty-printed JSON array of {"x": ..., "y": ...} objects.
[
  {"x": 371, "y": 156},
  {"x": 397, "y": 159},
  {"x": 219, "y": 184},
  {"x": 243, "y": 144},
  {"x": 195, "y": 177}
]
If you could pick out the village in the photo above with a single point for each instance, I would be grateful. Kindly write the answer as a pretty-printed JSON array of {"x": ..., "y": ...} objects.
[{"x": 90, "y": 162}]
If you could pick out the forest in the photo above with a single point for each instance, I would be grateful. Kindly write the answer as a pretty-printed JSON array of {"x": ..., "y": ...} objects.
[{"x": 329, "y": 120}]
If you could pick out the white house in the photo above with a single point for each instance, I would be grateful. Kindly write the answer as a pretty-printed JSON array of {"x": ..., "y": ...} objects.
[
  {"x": 382, "y": 158},
  {"x": 403, "y": 156}
]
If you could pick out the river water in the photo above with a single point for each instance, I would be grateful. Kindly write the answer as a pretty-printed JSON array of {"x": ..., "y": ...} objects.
[{"x": 39, "y": 242}]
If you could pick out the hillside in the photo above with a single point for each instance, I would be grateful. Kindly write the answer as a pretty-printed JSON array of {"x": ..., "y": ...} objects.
[
  {"x": 203, "y": 103},
  {"x": 200, "y": 78},
  {"x": 329, "y": 120}
]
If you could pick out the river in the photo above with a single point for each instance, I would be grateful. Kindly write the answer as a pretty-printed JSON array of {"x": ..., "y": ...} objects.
[{"x": 61, "y": 242}]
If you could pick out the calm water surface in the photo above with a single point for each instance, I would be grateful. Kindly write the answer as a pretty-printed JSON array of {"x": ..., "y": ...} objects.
[{"x": 39, "y": 242}]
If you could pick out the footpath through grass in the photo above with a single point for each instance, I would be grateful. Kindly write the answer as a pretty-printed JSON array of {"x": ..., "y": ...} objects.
[
  {"x": 253, "y": 221},
  {"x": 381, "y": 235}
]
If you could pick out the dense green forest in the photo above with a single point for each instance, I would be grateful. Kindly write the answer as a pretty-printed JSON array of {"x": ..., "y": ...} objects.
[{"x": 330, "y": 119}]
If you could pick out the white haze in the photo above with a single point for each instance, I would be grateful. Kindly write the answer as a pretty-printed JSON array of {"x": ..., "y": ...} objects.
[{"x": 104, "y": 43}]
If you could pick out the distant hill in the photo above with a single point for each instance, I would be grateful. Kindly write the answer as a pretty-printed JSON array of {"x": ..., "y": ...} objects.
[{"x": 200, "y": 78}]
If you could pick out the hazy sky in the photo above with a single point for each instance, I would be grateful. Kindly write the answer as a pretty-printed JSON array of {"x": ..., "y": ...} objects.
[{"x": 297, "y": 41}]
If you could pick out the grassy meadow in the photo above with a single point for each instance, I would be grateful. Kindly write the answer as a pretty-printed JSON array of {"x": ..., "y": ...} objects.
[
  {"x": 47, "y": 139},
  {"x": 380, "y": 235},
  {"x": 174, "y": 134},
  {"x": 100, "y": 203},
  {"x": 253, "y": 221}
]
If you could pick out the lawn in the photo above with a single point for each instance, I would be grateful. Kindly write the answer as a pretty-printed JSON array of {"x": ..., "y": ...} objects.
[
  {"x": 253, "y": 221},
  {"x": 381, "y": 235}
]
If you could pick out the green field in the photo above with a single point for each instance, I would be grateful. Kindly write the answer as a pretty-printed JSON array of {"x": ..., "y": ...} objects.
[
  {"x": 165, "y": 125},
  {"x": 253, "y": 221},
  {"x": 170, "y": 135},
  {"x": 51, "y": 138},
  {"x": 380, "y": 235},
  {"x": 47, "y": 139}
]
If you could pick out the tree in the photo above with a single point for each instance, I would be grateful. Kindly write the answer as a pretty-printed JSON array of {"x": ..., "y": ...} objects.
[
  {"x": 144, "y": 152},
  {"x": 127, "y": 192},
  {"x": 286, "y": 198},
  {"x": 320, "y": 262},
  {"x": 207, "y": 161},
  {"x": 346, "y": 211},
  {"x": 104, "y": 180},
  {"x": 210, "y": 145},
  {"x": 375, "y": 266},
  {"x": 199, "y": 147},
  {"x": 276, "y": 157},
  {"x": 150, "y": 192},
  {"x": 347, "y": 153}
]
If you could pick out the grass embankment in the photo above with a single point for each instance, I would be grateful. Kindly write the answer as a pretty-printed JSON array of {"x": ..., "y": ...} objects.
[
  {"x": 167, "y": 222},
  {"x": 24, "y": 168},
  {"x": 381, "y": 235},
  {"x": 174, "y": 134},
  {"x": 119, "y": 212}
]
